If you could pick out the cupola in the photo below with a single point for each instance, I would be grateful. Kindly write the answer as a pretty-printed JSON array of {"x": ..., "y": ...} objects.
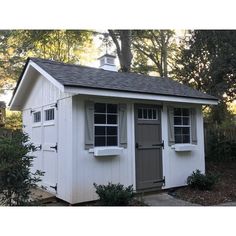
[{"x": 107, "y": 62}]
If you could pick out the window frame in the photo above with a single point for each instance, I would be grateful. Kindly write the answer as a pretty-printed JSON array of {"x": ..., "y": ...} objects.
[
  {"x": 106, "y": 125},
  {"x": 39, "y": 123},
  {"x": 48, "y": 122},
  {"x": 182, "y": 125},
  {"x": 148, "y": 119}
]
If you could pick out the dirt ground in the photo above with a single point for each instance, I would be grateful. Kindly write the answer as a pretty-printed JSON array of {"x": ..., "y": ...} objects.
[{"x": 223, "y": 191}]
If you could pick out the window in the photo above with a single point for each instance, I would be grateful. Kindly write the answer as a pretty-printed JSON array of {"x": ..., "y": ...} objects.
[
  {"x": 110, "y": 60},
  {"x": 105, "y": 124},
  {"x": 182, "y": 125},
  {"x": 102, "y": 61},
  {"x": 49, "y": 114},
  {"x": 37, "y": 116},
  {"x": 147, "y": 114}
]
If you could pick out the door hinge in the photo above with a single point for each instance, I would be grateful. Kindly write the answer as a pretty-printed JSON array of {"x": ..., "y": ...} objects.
[
  {"x": 163, "y": 181},
  {"x": 54, "y": 187},
  {"x": 54, "y": 147},
  {"x": 38, "y": 148},
  {"x": 159, "y": 145},
  {"x": 55, "y": 105}
]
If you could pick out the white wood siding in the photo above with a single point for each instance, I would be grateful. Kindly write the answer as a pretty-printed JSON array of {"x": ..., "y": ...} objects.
[
  {"x": 121, "y": 169},
  {"x": 177, "y": 166},
  {"x": 101, "y": 170},
  {"x": 43, "y": 93}
]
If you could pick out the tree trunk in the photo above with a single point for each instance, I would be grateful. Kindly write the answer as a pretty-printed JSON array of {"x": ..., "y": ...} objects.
[{"x": 122, "y": 41}]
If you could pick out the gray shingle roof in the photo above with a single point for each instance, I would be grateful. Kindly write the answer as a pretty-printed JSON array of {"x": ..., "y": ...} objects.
[{"x": 82, "y": 76}]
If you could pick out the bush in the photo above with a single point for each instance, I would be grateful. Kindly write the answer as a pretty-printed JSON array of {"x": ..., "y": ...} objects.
[
  {"x": 201, "y": 181},
  {"x": 114, "y": 194},
  {"x": 16, "y": 181}
]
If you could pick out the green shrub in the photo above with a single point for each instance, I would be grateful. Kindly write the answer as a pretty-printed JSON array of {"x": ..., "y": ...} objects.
[
  {"x": 114, "y": 194},
  {"x": 201, "y": 181},
  {"x": 16, "y": 180}
]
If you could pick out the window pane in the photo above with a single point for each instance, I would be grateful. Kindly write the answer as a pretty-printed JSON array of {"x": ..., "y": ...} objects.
[
  {"x": 100, "y": 107},
  {"x": 111, "y": 108},
  {"x": 178, "y": 139},
  {"x": 154, "y": 114},
  {"x": 185, "y": 112},
  {"x": 111, "y": 140},
  {"x": 185, "y": 130},
  {"x": 111, "y": 119},
  {"x": 99, "y": 130},
  {"x": 100, "y": 141},
  {"x": 111, "y": 130},
  {"x": 185, "y": 120},
  {"x": 177, "y": 111},
  {"x": 150, "y": 114},
  {"x": 99, "y": 119},
  {"x": 37, "y": 116},
  {"x": 186, "y": 139},
  {"x": 49, "y": 114},
  {"x": 144, "y": 113},
  {"x": 178, "y": 130},
  {"x": 177, "y": 120},
  {"x": 140, "y": 114}
]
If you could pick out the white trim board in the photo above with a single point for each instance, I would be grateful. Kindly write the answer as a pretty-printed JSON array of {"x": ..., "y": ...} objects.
[{"x": 132, "y": 95}]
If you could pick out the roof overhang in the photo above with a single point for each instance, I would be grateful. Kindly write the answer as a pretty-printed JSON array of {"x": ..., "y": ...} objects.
[
  {"x": 133, "y": 95},
  {"x": 24, "y": 82}
]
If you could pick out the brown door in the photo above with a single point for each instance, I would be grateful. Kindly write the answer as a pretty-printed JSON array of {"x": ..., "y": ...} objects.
[{"x": 148, "y": 146}]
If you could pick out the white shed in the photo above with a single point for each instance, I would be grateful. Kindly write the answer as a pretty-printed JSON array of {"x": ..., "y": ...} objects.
[{"x": 97, "y": 126}]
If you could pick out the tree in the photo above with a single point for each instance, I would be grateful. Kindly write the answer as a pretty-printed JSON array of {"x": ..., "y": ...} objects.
[
  {"x": 13, "y": 120},
  {"x": 209, "y": 64},
  {"x": 62, "y": 45},
  {"x": 16, "y": 180},
  {"x": 122, "y": 41},
  {"x": 158, "y": 47}
]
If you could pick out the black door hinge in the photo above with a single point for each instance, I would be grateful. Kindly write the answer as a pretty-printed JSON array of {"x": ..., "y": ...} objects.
[
  {"x": 55, "y": 105},
  {"x": 163, "y": 181},
  {"x": 54, "y": 187},
  {"x": 54, "y": 147},
  {"x": 159, "y": 145}
]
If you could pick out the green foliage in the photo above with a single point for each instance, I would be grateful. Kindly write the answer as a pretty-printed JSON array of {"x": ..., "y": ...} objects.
[
  {"x": 221, "y": 142},
  {"x": 62, "y": 45},
  {"x": 201, "y": 181},
  {"x": 16, "y": 180},
  {"x": 208, "y": 64},
  {"x": 13, "y": 120},
  {"x": 114, "y": 194},
  {"x": 158, "y": 47}
]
